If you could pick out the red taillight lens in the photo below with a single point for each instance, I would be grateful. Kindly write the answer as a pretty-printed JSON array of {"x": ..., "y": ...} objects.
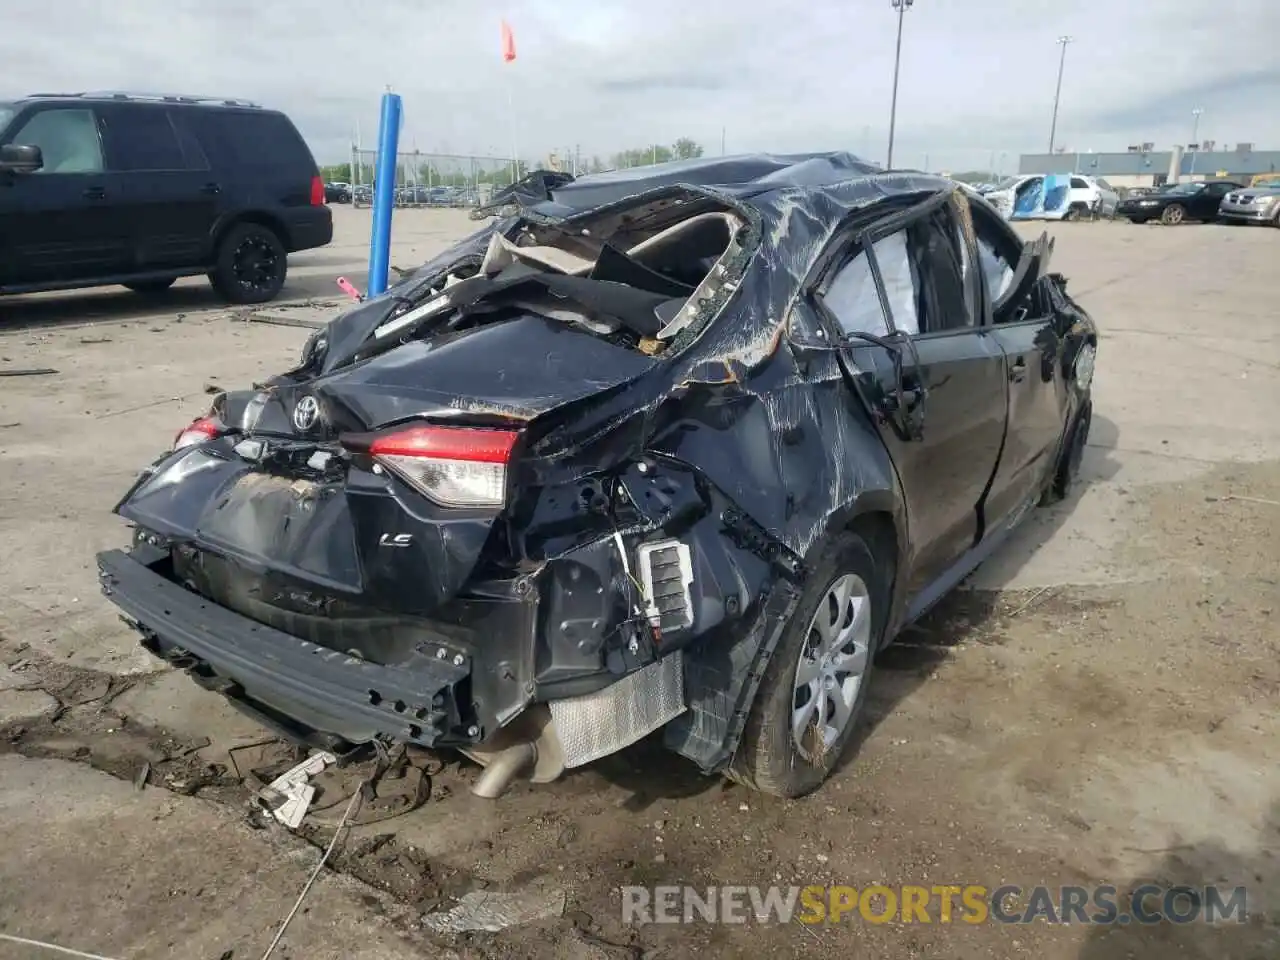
[
  {"x": 452, "y": 466},
  {"x": 317, "y": 192},
  {"x": 198, "y": 431}
]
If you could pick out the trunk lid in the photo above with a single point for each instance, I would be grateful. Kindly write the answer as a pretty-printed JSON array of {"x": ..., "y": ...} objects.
[{"x": 282, "y": 516}]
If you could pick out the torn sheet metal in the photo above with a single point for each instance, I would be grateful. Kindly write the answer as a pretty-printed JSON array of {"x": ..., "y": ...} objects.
[{"x": 289, "y": 796}]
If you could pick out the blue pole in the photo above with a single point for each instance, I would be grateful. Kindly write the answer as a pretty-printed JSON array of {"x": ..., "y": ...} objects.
[{"x": 384, "y": 194}]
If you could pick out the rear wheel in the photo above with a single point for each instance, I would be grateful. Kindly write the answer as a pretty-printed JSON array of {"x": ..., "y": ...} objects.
[
  {"x": 250, "y": 265},
  {"x": 812, "y": 692},
  {"x": 151, "y": 286},
  {"x": 1173, "y": 214}
]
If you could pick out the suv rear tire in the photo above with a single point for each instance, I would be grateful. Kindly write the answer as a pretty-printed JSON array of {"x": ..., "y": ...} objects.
[
  {"x": 769, "y": 757},
  {"x": 250, "y": 265},
  {"x": 151, "y": 286}
]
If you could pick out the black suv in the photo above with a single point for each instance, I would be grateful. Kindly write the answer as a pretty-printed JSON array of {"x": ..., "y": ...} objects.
[{"x": 142, "y": 189}]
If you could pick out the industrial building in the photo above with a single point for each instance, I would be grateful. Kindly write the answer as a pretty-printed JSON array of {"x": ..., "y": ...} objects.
[{"x": 1144, "y": 166}]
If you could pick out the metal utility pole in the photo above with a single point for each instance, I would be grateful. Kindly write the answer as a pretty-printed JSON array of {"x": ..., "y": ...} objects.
[
  {"x": 902, "y": 6},
  {"x": 1194, "y": 145},
  {"x": 1062, "y": 61}
]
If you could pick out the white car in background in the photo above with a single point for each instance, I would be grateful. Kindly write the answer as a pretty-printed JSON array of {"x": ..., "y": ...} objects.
[{"x": 1061, "y": 196}]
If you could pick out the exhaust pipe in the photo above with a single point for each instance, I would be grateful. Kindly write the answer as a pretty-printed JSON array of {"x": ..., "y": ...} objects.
[{"x": 503, "y": 768}]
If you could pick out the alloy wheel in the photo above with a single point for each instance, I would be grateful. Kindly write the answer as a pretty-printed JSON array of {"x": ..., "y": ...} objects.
[{"x": 833, "y": 662}]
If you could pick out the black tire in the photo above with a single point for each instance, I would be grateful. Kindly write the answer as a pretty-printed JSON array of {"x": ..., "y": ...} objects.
[
  {"x": 1068, "y": 470},
  {"x": 151, "y": 286},
  {"x": 1173, "y": 214},
  {"x": 767, "y": 758},
  {"x": 1074, "y": 213},
  {"x": 250, "y": 265}
]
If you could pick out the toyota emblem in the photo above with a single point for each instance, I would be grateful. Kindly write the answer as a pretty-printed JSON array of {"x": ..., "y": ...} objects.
[{"x": 306, "y": 413}]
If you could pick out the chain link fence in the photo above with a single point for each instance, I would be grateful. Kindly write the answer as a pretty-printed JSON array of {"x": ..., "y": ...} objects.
[{"x": 432, "y": 179}]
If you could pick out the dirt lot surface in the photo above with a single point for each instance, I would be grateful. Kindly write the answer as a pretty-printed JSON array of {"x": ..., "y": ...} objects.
[{"x": 1096, "y": 705}]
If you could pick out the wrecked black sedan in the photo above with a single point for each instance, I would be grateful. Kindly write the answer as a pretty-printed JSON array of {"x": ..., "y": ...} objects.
[{"x": 677, "y": 449}]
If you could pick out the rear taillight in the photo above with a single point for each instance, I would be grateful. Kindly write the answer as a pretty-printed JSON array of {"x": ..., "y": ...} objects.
[
  {"x": 317, "y": 192},
  {"x": 451, "y": 466},
  {"x": 198, "y": 431}
]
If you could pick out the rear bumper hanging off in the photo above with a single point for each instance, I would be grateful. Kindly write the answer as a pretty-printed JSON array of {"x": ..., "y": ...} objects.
[{"x": 280, "y": 677}]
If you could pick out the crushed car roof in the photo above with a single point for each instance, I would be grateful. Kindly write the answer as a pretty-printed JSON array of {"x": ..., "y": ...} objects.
[
  {"x": 794, "y": 205},
  {"x": 843, "y": 175}
]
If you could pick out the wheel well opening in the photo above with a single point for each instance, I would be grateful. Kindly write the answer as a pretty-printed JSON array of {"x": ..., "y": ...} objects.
[
  {"x": 262, "y": 220},
  {"x": 878, "y": 530}
]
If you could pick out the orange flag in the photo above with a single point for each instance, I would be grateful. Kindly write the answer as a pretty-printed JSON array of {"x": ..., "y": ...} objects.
[{"x": 508, "y": 43}]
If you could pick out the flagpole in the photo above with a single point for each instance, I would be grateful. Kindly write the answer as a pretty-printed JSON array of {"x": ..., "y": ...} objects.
[
  {"x": 511, "y": 119},
  {"x": 509, "y": 57}
]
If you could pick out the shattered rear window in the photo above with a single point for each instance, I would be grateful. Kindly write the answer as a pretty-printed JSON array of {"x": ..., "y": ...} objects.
[{"x": 635, "y": 277}]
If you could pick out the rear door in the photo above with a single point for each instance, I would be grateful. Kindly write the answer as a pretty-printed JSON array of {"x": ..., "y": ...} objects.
[
  {"x": 61, "y": 223},
  {"x": 1023, "y": 322},
  {"x": 944, "y": 423},
  {"x": 165, "y": 184}
]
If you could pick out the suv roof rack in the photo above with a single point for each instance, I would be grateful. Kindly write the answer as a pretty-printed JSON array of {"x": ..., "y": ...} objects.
[{"x": 154, "y": 97}]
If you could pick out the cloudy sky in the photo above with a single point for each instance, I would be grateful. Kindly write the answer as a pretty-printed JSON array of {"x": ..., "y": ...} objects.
[{"x": 977, "y": 75}]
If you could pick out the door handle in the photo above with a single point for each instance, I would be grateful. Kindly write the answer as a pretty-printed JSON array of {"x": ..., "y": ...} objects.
[
  {"x": 1018, "y": 372},
  {"x": 95, "y": 193},
  {"x": 211, "y": 188}
]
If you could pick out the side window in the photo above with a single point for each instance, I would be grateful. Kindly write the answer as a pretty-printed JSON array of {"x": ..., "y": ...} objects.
[
  {"x": 997, "y": 255},
  {"x": 927, "y": 280},
  {"x": 1078, "y": 183},
  {"x": 942, "y": 256},
  {"x": 142, "y": 138},
  {"x": 68, "y": 139},
  {"x": 852, "y": 298},
  {"x": 251, "y": 141}
]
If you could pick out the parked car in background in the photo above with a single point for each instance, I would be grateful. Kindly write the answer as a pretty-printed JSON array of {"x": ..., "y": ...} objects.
[
  {"x": 1264, "y": 179},
  {"x": 1257, "y": 204},
  {"x": 362, "y": 193},
  {"x": 139, "y": 190},
  {"x": 1178, "y": 202},
  {"x": 1053, "y": 197},
  {"x": 676, "y": 448},
  {"x": 337, "y": 192}
]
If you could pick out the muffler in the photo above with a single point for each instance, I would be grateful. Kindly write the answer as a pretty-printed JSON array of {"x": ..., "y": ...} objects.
[{"x": 527, "y": 747}]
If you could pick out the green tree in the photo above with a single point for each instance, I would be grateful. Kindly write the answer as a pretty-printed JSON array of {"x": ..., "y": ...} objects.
[
  {"x": 336, "y": 173},
  {"x": 682, "y": 149},
  {"x": 686, "y": 149}
]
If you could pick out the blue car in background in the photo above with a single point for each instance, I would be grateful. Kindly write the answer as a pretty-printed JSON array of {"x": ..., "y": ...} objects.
[{"x": 1054, "y": 196}]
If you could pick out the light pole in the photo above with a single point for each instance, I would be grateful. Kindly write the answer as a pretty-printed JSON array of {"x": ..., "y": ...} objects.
[
  {"x": 1195, "y": 130},
  {"x": 1062, "y": 61},
  {"x": 902, "y": 6}
]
